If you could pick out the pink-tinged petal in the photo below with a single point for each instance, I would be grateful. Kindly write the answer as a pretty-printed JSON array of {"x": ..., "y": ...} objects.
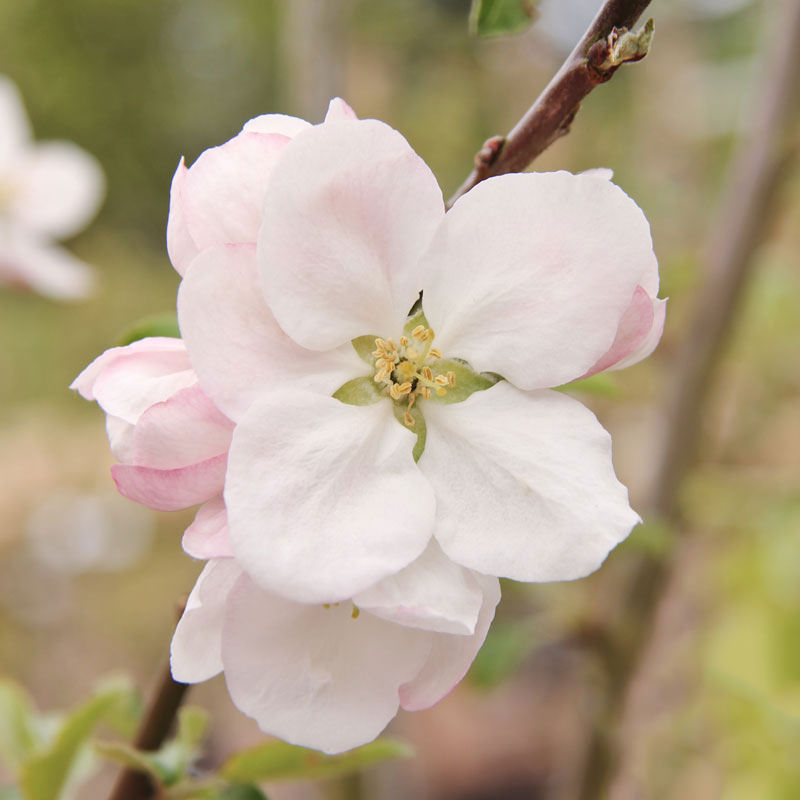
[
  {"x": 182, "y": 430},
  {"x": 451, "y": 656},
  {"x": 13, "y": 123},
  {"x": 530, "y": 274},
  {"x": 348, "y": 212},
  {"x": 120, "y": 434},
  {"x": 313, "y": 676},
  {"x": 276, "y": 123},
  {"x": 236, "y": 346},
  {"x": 650, "y": 341},
  {"x": 207, "y": 536},
  {"x": 196, "y": 650},
  {"x": 171, "y": 489},
  {"x": 324, "y": 499},
  {"x": 339, "y": 111},
  {"x": 180, "y": 245},
  {"x": 59, "y": 188},
  {"x": 634, "y": 328},
  {"x": 125, "y": 381},
  {"x": 47, "y": 269},
  {"x": 534, "y": 469},
  {"x": 224, "y": 189},
  {"x": 431, "y": 593}
]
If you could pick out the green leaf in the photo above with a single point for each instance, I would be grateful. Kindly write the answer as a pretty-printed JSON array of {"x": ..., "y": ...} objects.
[
  {"x": 165, "y": 324},
  {"x": 467, "y": 381},
  {"x": 170, "y": 763},
  {"x": 505, "y": 648},
  {"x": 602, "y": 384},
  {"x": 18, "y": 736},
  {"x": 420, "y": 428},
  {"x": 360, "y": 392},
  {"x": 44, "y": 775},
  {"x": 280, "y": 761},
  {"x": 501, "y": 17},
  {"x": 241, "y": 791}
]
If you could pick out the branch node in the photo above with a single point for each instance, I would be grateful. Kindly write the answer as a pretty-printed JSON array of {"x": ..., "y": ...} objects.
[
  {"x": 624, "y": 46},
  {"x": 489, "y": 152}
]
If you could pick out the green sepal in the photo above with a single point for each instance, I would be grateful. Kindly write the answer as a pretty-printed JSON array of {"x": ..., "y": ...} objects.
[
  {"x": 420, "y": 428},
  {"x": 501, "y": 17},
  {"x": 18, "y": 735},
  {"x": 365, "y": 347},
  {"x": 601, "y": 384},
  {"x": 467, "y": 381},
  {"x": 281, "y": 761},
  {"x": 165, "y": 324},
  {"x": 360, "y": 392},
  {"x": 415, "y": 319}
]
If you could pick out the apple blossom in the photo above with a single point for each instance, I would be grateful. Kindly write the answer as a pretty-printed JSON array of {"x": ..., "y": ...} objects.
[{"x": 48, "y": 191}]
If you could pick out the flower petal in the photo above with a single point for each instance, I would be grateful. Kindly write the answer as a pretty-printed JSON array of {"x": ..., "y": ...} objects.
[
  {"x": 431, "y": 593},
  {"x": 180, "y": 245},
  {"x": 184, "y": 429},
  {"x": 49, "y": 270},
  {"x": 530, "y": 274},
  {"x": 171, "y": 489},
  {"x": 323, "y": 498},
  {"x": 451, "y": 656},
  {"x": 224, "y": 189},
  {"x": 236, "y": 346},
  {"x": 348, "y": 211},
  {"x": 125, "y": 381},
  {"x": 338, "y": 111},
  {"x": 276, "y": 123},
  {"x": 207, "y": 536},
  {"x": 13, "y": 122},
  {"x": 525, "y": 486},
  {"x": 313, "y": 676},
  {"x": 650, "y": 341},
  {"x": 196, "y": 650},
  {"x": 59, "y": 189}
]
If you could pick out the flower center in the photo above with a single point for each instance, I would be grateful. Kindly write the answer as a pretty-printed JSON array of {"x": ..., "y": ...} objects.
[{"x": 402, "y": 368}]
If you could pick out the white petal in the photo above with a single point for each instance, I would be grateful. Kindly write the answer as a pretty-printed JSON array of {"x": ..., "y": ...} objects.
[
  {"x": 339, "y": 110},
  {"x": 59, "y": 189},
  {"x": 207, "y": 536},
  {"x": 224, "y": 189},
  {"x": 324, "y": 499},
  {"x": 196, "y": 651},
  {"x": 15, "y": 130},
  {"x": 235, "y": 344},
  {"x": 49, "y": 270},
  {"x": 276, "y": 123},
  {"x": 530, "y": 274},
  {"x": 348, "y": 212},
  {"x": 180, "y": 245},
  {"x": 313, "y": 676},
  {"x": 525, "y": 486},
  {"x": 431, "y": 593},
  {"x": 451, "y": 656},
  {"x": 650, "y": 342}
]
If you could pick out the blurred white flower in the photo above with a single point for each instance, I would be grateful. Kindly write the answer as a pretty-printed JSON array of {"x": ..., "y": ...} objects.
[{"x": 48, "y": 191}]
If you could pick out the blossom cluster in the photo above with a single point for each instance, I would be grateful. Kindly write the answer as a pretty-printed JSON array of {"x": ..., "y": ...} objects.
[
  {"x": 362, "y": 404},
  {"x": 48, "y": 191}
]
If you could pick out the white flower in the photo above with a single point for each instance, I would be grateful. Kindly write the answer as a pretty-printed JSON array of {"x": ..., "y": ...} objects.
[{"x": 48, "y": 191}]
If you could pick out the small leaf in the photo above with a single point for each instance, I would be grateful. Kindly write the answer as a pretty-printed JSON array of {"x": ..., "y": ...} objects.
[
  {"x": 241, "y": 791},
  {"x": 601, "y": 384},
  {"x": 281, "y": 761},
  {"x": 419, "y": 427},
  {"x": 44, "y": 775},
  {"x": 365, "y": 347},
  {"x": 360, "y": 392},
  {"x": 466, "y": 380},
  {"x": 501, "y": 17},
  {"x": 18, "y": 736},
  {"x": 165, "y": 324},
  {"x": 128, "y": 756}
]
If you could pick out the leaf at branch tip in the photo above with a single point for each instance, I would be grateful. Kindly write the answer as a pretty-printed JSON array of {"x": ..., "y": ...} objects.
[
  {"x": 275, "y": 761},
  {"x": 165, "y": 324},
  {"x": 501, "y": 17},
  {"x": 623, "y": 45},
  {"x": 18, "y": 735}
]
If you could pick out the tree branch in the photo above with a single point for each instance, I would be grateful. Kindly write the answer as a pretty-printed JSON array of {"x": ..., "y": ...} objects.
[
  {"x": 604, "y": 47},
  {"x": 742, "y": 218},
  {"x": 158, "y": 719}
]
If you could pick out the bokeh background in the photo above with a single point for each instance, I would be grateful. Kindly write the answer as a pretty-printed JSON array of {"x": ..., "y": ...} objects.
[{"x": 89, "y": 582}]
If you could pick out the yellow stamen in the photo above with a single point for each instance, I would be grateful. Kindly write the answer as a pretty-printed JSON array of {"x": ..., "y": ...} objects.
[
  {"x": 412, "y": 353},
  {"x": 441, "y": 380},
  {"x": 418, "y": 331},
  {"x": 441, "y": 391},
  {"x": 356, "y": 611},
  {"x": 404, "y": 341},
  {"x": 435, "y": 352},
  {"x": 451, "y": 378},
  {"x": 408, "y": 419}
]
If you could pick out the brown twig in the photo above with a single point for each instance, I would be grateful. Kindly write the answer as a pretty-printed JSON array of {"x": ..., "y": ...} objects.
[
  {"x": 593, "y": 61},
  {"x": 742, "y": 218},
  {"x": 158, "y": 719}
]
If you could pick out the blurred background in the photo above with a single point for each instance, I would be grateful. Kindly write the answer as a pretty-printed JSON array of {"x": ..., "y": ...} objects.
[{"x": 89, "y": 582}]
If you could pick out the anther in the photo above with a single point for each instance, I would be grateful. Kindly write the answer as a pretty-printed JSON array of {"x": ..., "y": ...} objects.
[
  {"x": 408, "y": 419},
  {"x": 441, "y": 391},
  {"x": 356, "y": 611},
  {"x": 451, "y": 378},
  {"x": 441, "y": 380},
  {"x": 418, "y": 331},
  {"x": 404, "y": 341},
  {"x": 435, "y": 352}
]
